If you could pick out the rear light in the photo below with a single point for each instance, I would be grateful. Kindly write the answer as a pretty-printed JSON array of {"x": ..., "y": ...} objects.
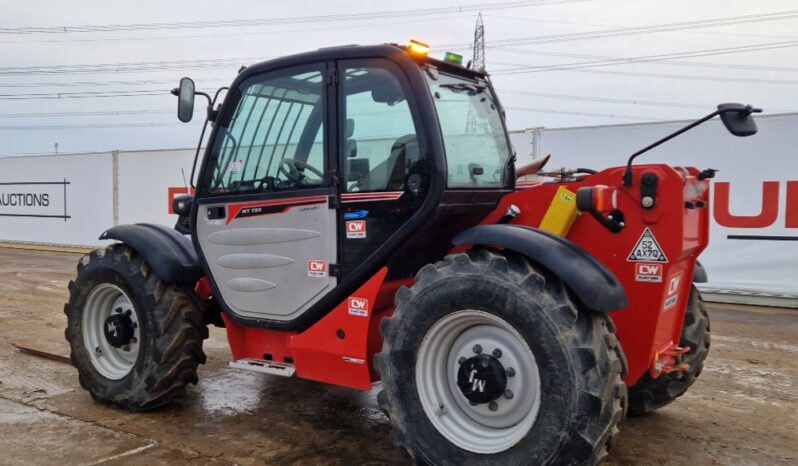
[
  {"x": 598, "y": 199},
  {"x": 602, "y": 203}
]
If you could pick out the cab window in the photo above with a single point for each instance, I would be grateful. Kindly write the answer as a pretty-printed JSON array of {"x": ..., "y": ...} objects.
[
  {"x": 477, "y": 151},
  {"x": 275, "y": 138},
  {"x": 380, "y": 143}
]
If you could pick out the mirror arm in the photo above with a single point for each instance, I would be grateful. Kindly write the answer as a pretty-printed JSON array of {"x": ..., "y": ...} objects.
[
  {"x": 211, "y": 117},
  {"x": 627, "y": 176},
  {"x": 742, "y": 112}
]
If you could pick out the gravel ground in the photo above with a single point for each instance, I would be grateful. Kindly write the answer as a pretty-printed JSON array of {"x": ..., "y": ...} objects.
[{"x": 743, "y": 410}]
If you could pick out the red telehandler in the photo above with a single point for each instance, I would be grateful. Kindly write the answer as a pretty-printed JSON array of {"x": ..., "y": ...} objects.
[{"x": 357, "y": 219}]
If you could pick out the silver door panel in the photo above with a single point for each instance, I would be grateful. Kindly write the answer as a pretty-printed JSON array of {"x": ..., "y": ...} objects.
[{"x": 261, "y": 263}]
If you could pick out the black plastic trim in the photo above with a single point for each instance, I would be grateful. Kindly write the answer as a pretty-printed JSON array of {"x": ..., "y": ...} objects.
[
  {"x": 700, "y": 274},
  {"x": 593, "y": 283},
  {"x": 169, "y": 254}
]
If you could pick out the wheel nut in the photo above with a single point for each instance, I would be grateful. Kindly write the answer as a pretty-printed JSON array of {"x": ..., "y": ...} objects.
[
  {"x": 118, "y": 310},
  {"x": 477, "y": 349},
  {"x": 497, "y": 353},
  {"x": 473, "y": 403},
  {"x": 461, "y": 360},
  {"x": 128, "y": 312},
  {"x": 134, "y": 339},
  {"x": 98, "y": 350},
  {"x": 485, "y": 364},
  {"x": 510, "y": 372},
  {"x": 508, "y": 394},
  {"x": 493, "y": 406},
  {"x": 126, "y": 348}
]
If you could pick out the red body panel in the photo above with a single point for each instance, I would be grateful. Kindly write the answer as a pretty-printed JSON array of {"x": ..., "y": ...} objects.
[
  {"x": 649, "y": 328},
  {"x": 652, "y": 322},
  {"x": 338, "y": 349}
]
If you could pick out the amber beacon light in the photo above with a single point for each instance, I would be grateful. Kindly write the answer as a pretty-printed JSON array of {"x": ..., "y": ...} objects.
[{"x": 418, "y": 48}]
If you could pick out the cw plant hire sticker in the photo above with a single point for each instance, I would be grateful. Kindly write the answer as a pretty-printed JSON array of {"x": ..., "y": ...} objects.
[{"x": 647, "y": 249}]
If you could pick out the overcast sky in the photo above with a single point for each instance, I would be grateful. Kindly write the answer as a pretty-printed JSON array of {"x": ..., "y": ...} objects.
[{"x": 95, "y": 89}]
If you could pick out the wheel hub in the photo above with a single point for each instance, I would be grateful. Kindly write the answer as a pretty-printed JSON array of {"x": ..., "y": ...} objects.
[
  {"x": 118, "y": 330},
  {"x": 482, "y": 378}
]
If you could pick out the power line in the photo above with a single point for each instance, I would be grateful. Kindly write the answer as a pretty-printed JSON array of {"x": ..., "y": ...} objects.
[
  {"x": 601, "y": 115},
  {"x": 655, "y": 103},
  {"x": 273, "y": 21},
  {"x": 26, "y": 40},
  {"x": 615, "y": 32},
  {"x": 83, "y": 95},
  {"x": 625, "y": 101},
  {"x": 140, "y": 82},
  {"x": 579, "y": 23},
  {"x": 662, "y": 62},
  {"x": 87, "y": 113},
  {"x": 649, "y": 58},
  {"x": 684, "y": 76},
  {"x": 215, "y": 63},
  {"x": 90, "y": 126},
  {"x": 128, "y": 67}
]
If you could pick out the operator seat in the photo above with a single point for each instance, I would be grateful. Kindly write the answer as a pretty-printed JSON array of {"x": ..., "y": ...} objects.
[{"x": 390, "y": 174}]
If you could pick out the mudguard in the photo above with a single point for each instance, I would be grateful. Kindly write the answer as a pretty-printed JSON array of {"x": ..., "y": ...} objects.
[
  {"x": 169, "y": 254},
  {"x": 593, "y": 283},
  {"x": 700, "y": 274}
]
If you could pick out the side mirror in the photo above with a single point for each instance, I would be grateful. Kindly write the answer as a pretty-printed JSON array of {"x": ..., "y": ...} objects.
[
  {"x": 185, "y": 100},
  {"x": 737, "y": 118},
  {"x": 181, "y": 205}
]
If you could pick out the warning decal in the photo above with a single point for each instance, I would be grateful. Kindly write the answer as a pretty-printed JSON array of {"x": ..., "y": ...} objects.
[{"x": 647, "y": 249}]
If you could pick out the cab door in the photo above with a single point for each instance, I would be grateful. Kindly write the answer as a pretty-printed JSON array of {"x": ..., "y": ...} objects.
[
  {"x": 385, "y": 169},
  {"x": 264, "y": 223}
]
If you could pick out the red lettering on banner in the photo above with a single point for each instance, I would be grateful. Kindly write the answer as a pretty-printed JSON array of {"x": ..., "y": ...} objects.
[
  {"x": 792, "y": 205},
  {"x": 767, "y": 215}
]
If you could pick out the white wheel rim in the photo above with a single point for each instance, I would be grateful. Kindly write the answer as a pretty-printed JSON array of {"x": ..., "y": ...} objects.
[
  {"x": 112, "y": 362},
  {"x": 477, "y": 428}
]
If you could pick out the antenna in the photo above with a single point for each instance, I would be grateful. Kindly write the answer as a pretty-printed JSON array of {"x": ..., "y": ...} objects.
[{"x": 184, "y": 181}]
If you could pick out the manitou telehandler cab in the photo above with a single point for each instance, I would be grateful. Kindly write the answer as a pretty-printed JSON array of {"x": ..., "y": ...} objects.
[{"x": 357, "y": 220}]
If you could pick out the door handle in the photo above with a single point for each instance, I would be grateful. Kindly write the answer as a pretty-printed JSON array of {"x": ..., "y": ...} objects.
[{"x": 215, "y": 213}]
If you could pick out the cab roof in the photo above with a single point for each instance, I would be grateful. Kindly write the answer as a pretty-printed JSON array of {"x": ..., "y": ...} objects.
[{"x": 394, "y": 52}]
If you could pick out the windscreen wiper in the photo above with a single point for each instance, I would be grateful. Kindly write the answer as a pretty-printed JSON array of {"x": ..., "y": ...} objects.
[{"x": 472, "y": 89}]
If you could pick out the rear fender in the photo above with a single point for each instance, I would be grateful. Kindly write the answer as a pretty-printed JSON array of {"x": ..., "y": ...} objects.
[
  {"x": 593, "y": 283},
  {"x": 168, "y": 253}
]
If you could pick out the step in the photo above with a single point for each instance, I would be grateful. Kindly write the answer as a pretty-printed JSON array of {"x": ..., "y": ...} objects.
[{"x": 263, "y": 366}]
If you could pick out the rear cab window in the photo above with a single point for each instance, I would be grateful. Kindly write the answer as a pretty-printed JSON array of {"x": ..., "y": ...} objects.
[{"x": 477, "y": 150}]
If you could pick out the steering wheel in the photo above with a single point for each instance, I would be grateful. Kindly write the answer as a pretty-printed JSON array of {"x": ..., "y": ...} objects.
[{"x": 294, "y": 170}]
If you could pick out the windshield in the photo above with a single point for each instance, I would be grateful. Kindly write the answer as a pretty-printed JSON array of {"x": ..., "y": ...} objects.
[{"x": 476, "y": 145}]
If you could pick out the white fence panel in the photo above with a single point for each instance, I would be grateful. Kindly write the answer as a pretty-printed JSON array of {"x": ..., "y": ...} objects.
[
  {"x": 58, "y": 199},
  {"x": 147, "y": 181}
]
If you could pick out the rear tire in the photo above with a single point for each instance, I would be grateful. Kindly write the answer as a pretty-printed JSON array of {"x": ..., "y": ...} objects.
[
  {"x": 580, "y": 396},
  {"x": 163, "y": 331},
  {"x": 650, "y": 394}
]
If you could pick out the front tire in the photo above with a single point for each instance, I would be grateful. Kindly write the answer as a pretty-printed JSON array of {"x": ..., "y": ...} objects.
[
  {"x": 650, "y": 394},
  {"x": 567, "y": 367},
  {"x": 136, "y": 341}
]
